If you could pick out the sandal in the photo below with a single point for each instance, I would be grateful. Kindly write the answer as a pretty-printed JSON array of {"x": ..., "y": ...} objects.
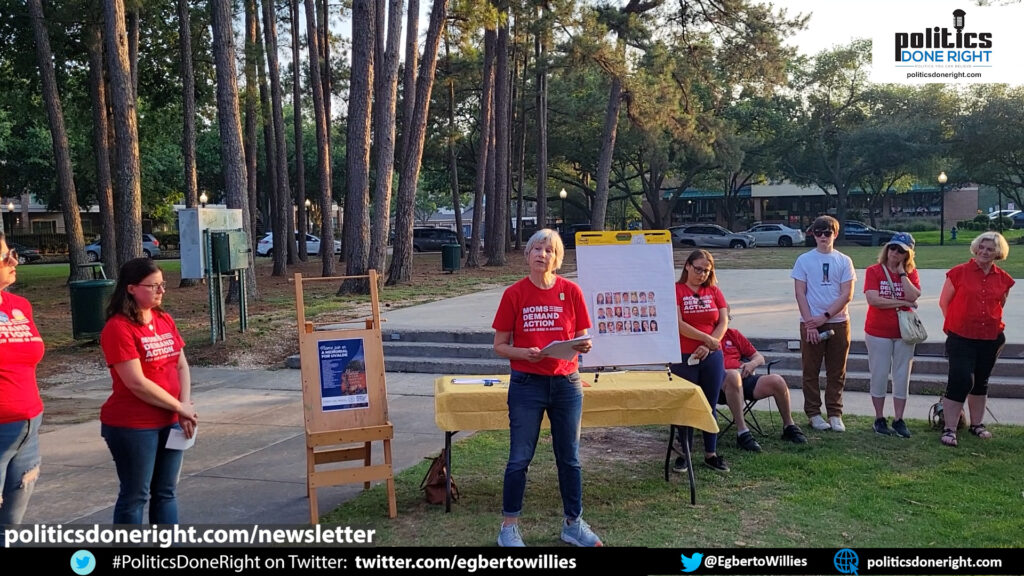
[
  {"x": 948, "y": 438},
  {"x": 980, "y": 431}
]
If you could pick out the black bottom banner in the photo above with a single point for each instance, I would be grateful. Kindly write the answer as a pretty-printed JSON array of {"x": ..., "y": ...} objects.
[{"x": 203, "y": 561}]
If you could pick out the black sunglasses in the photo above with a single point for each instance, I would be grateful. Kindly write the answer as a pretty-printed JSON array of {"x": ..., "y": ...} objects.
[
  {"x": 897, "y": 248},
  {"x": 826, "y": 232}
]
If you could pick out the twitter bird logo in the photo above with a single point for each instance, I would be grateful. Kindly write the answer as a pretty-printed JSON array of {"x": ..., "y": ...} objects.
[
  {"x": 83, "y": 562},
  {"x": 693, "y": 562}
]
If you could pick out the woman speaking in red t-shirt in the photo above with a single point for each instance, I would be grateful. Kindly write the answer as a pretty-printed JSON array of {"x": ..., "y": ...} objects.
[
  {"x": 534, "y": 312},
  {"x": 21, "y": 408},
  {"x": 151, "y": 395},
  {"x": 972, "y": 301}
]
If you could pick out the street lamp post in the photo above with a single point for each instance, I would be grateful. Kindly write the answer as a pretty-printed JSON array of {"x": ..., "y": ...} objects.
[
  {"x": 942, "y": 208},
  {"x": 562, "y": 194},
  {"x": 10, "y": 219},
  {"x": 203, "y": 199},
  {"x": 309, "y": 227}
]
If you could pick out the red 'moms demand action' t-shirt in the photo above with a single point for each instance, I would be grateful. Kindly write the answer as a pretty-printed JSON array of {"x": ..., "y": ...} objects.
[
  {"x": 21, "y": 349},
  {"x": 736, "y": 347},
  {"x": 157, "y": 346},
  {"x": 884, "y": 322},
  {"x": 699, "y": 310},
  {"x": 538, "y": 317}
]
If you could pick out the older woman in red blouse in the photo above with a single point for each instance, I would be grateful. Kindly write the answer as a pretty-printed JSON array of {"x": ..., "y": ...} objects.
[{"x": 972, "y": 302}]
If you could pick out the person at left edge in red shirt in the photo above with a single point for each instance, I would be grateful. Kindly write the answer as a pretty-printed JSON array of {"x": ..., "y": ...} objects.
[
  {"x": 21, "y": 408},
  {"x": 535, "y": 311},
  {"x": 151, "y": 395}
]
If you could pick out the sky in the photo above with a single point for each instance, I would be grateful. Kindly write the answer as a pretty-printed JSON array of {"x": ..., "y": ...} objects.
[{"x": 836, "y": 22}]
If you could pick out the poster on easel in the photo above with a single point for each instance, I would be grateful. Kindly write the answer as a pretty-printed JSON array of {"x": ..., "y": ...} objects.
[
  {"x": 342, "y": 374},
  {"x": 628, "y": 280}
]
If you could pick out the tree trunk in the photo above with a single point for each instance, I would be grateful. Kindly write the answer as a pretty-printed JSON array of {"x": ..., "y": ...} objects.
[
  {"x": 101, "y": 145},
  {"x": 322, "y": 141},
  {"x": 279, "y": 252},
  {"x": 496, "y": 250},
  {"x": 401, "y": 261},
  {"x": 604, "y": 163},
  {"x": 127, "y": 187},
  {"x": 300, "y": 166},
  {"x": 133, "y": 22},
  {"x": 453, "y": 156},
  {"x": 252, "y": 114},
  {"x": 480, "y": 184},
  {"x": 232, "y": 160},
  {"x": 326, "y": 76},
  {"x": 355, "y": 229},
  {"x": 540, "y": 50},
  {"x": 412, "y": 36},
  {"x": 59, "y": 139},
  {"x": 384, "y": 137},
  {"x": 188, "y": 105},
  {"x": 282, "y": 195}
]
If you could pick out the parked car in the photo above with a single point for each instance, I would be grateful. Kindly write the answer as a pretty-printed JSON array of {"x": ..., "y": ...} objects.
[
  {"x": 150, "y": 248},
  {"x": 1004, "y": 213},
  {"x": 709, "y": 235},
  {"x": 265, "y": 247},
  {"x": 776, "y": 235},
  {"x": 431, "y": 239},
  {"x": 1018, "y": 220},
  {"x": 26, "y": 255},
  {"x": 568, "y": 233},
  {"x": 860, "y": 233}
]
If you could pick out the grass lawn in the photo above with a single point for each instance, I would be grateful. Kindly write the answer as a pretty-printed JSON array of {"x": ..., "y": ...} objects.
[{"x": 852, "y": 489}]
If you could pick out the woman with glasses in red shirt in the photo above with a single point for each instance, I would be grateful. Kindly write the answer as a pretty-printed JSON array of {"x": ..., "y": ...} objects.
[
  {"x": 21, "y": 408},
  {"x": 972, "y": 302},
  {"x": 151, "y": 395}
]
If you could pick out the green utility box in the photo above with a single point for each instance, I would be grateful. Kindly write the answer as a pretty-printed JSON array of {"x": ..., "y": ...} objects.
[
  {"x": 89, "y": 300},
  {"x": 230, "y": 250},
  {"x": 451, "y": 257}
]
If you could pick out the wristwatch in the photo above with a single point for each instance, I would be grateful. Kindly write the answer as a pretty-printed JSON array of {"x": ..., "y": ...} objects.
[{"x": 827, "y": 315}]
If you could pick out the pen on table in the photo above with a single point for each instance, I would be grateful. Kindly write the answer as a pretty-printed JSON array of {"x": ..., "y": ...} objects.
[{"x": 491, "y": 381}]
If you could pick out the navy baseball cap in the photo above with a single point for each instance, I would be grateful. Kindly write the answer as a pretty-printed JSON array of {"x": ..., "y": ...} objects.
[{"x": 903, "y": 239}]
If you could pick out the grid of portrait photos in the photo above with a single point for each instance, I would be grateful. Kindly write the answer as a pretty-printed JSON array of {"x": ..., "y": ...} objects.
[{"x": 625, "y": 313}]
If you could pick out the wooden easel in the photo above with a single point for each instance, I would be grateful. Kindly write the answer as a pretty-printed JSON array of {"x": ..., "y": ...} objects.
[{"x": 332, "y": 428}]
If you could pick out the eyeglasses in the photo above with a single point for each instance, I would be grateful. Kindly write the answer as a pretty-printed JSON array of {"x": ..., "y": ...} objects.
[
  {"x": 897, "y": 248},
  {"x": 826, "y": 233},
  {"x": 161, "y": 287},
  {"x": 700, "y": 270},
  {"x": 10, "y": 256}
]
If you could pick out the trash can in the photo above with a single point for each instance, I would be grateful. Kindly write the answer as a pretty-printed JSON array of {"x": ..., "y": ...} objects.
[
  {"x": 451, "y": 257},
  {"x": 89, "y": 300}
]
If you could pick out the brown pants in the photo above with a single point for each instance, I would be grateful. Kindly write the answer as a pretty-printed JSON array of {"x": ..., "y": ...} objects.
[{"x": 834, "y": 351}]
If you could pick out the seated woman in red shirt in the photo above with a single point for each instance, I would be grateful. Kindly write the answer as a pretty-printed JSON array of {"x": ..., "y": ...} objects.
[
  {"x": 21, "y": 408},
  {"x": 151, "y": 395},
  {"x": 703, "y": 320},
  {"x": 972, "y": 301}
]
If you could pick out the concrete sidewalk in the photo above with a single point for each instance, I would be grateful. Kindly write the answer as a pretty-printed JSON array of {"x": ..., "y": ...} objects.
[{"x": 248, "y": 464}]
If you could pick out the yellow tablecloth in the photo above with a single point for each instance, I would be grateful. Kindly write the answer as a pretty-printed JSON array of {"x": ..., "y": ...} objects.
[{"x": 615, "y": 399}]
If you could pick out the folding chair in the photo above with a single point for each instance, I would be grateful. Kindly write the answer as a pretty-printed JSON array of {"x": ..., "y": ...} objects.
[{"x": 748, "y": 407}]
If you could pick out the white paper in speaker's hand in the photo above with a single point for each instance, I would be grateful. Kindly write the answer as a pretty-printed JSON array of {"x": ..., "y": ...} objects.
[
  {"x": 176, "y": 439},
  {"x": 563, "y": 349},
  {"x": 693, "y": 360}
]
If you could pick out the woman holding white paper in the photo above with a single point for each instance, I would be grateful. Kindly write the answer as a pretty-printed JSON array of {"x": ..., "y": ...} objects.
[
  {"x": 534, "y": 312},
  {"x": 151, "y": 395}
]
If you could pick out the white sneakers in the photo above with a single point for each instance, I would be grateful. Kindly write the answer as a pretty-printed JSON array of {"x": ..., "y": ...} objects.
[
  {"x": 818, "y": 423},
  {"x": 837, "y": 424}
]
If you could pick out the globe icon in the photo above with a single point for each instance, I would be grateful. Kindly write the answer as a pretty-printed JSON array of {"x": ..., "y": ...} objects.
[{"x": 846, "y": 561}]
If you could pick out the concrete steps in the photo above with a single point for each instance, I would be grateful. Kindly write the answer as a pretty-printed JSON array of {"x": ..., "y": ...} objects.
[{"x": 444, "y": 352}]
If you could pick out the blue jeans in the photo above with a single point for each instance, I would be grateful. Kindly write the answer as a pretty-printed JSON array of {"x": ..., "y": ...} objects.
[
  {"x": 19, "y": 467},
  {"x": 708, "y": 375},
  {"x": 147, "y": 470},
  {"x": 529, "y": 396}
]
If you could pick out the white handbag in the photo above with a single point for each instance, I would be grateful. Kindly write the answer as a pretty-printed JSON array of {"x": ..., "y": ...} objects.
[{"x": 912, "y": 330}]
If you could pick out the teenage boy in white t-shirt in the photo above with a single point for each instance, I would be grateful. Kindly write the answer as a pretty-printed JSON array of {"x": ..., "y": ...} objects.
[{"x": 823, "y": 281}]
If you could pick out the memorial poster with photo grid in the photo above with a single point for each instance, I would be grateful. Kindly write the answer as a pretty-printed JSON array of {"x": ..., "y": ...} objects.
[{"x": 628, "y": 281}]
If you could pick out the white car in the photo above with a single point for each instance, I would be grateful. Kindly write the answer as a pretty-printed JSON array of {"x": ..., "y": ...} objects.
[
  {"x": 265, "y": 247},
  {"x": 776, "y": 235},
  {"x": 1004, "y": 213}
]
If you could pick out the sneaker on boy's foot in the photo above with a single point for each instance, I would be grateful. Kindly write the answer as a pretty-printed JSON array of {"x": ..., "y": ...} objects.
[
  {"x": 680, "y": 465},
  {"x": 836, "y": 423},
  {"x": 794, "y": 434},
  {"x": 579, "y": 534},
  {"x": 746, "y": 441},
  {"x": 818, "y": 423},
  {"x": 900, "y": 428},
  {"x": 882, "y": 427},
  {"x": 509, "y": 536},
  {"x": 716, "y": 462}
]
